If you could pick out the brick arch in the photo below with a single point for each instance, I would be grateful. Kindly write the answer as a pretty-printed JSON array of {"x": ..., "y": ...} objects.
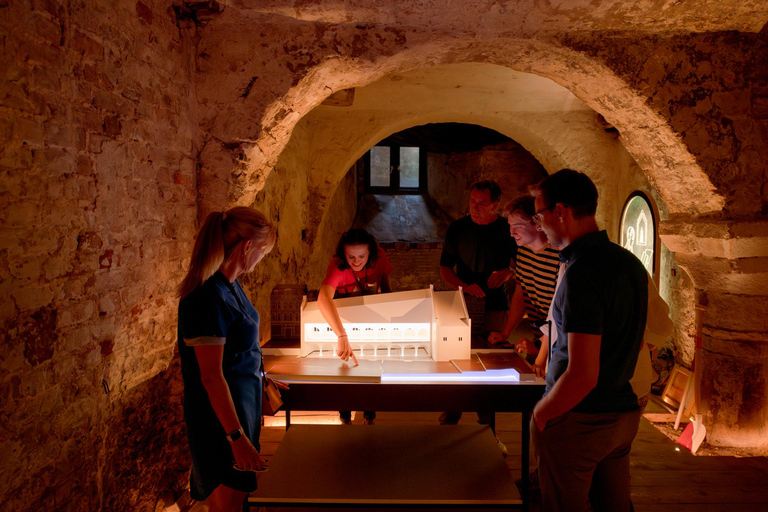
[{"x": 234, "y": 176}]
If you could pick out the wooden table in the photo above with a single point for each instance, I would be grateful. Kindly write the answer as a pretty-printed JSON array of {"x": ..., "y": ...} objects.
[
  {"x": 349, "y": 394},
  {"x": 437, "y": 466}
]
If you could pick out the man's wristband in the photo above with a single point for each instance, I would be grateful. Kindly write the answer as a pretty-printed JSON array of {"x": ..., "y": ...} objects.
[{"x": 235, "y": 435}]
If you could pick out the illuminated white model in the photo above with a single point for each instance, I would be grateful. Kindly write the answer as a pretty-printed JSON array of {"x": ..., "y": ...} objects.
[{"x": 416, "y": 324}]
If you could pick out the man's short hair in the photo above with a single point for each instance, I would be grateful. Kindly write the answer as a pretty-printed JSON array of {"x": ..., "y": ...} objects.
[
  {"x": 490, "y": 186},
  {"x": 571, "y": 188},
  {"x": 524, "y": 205}
]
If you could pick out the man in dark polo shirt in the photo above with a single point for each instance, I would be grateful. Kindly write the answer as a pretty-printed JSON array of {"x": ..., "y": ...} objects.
[{"x": 583, "y": 427}]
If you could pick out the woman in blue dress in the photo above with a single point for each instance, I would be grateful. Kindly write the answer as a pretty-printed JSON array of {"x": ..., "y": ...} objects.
[{"x": 218, "y": 339}]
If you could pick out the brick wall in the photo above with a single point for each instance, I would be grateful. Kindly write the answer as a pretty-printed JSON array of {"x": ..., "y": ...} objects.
[
  {"x": 97, "y": 212},
  {"x": 415, "y": 265}
]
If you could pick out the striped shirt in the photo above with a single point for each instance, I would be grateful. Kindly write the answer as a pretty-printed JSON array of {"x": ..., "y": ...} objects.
[{"x": 536, "y": 272}]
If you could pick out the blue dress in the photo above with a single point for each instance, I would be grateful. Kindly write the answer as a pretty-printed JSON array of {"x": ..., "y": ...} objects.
[{"x": 219, "y": 313}]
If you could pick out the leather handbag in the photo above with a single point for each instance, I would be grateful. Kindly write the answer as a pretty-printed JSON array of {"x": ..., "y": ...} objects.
[{"x": 271, "y": 401}]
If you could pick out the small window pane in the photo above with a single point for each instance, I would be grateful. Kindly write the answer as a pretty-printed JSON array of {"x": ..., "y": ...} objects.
[
  {"x": 409, "y": 167},
  {"x": 380, "y": 166},
  {"x": 638, "y": 232}
]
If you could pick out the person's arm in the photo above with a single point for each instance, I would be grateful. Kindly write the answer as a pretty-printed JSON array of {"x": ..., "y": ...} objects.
[
  {"x": 540, "y": 365},
  {"x": 575, "y": 383},
  {"x": 209, "y": 359},
  {"x": 516, "y": 312},
  {"x": 500, "y": 277},
  {"x": 450, "y": 277},
  {"x": 331, "y": 315},
  {"x": 385, "y": 285}
]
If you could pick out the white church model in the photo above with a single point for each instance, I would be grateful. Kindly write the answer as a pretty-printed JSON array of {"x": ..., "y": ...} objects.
[{"x": 410, "y": 325}]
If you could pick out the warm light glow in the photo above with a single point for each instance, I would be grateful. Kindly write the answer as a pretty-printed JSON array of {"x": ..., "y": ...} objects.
[
  {"x": 305, "y": 418},
  {"x": 500, "y": 376}
]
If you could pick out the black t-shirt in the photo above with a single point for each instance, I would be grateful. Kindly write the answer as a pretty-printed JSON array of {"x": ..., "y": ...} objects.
[
  {"x": 477, "y": 251},
  {"x": 604, "y": 291}
]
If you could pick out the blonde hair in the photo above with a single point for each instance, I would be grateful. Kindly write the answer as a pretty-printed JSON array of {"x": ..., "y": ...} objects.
[{"x": 219, "y": 234}]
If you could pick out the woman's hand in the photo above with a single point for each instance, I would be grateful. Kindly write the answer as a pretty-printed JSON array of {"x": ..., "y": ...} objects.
[
  {"x": 246, "y": 456},
  {"x": 344, "y": 349},
  {"x": 540, "y": 369}
]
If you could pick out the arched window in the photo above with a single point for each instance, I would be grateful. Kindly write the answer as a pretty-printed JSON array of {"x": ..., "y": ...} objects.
[{"x": 638, "y": 230}]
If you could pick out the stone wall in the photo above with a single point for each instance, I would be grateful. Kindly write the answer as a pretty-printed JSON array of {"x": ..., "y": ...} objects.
[
  {"x": 689, "y": 108},
  {"x": 509, "y": 164},
  {"x": 97, "y": 201},
  {"x": 120, "y": 124}
]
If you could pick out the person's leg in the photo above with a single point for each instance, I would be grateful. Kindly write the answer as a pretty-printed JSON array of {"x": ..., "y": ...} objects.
[
  {"x": 226, "y": 499},
  {"x": 610, "y": 489},
  {"x": 564, "y": 478}
]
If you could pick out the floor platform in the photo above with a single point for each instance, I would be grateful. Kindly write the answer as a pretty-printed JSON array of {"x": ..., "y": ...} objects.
[{"x": 360, "y": 466}]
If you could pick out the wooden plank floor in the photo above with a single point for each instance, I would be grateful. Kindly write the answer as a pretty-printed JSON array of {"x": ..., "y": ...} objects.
[{"x": 663, "y": 479}]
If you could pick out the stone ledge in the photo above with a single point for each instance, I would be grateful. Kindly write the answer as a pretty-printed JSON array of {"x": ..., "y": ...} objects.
[{"x": 717, "y": 239}]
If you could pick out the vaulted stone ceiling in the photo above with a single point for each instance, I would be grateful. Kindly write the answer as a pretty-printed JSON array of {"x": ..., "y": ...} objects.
[{"x": 530, "y": 17}]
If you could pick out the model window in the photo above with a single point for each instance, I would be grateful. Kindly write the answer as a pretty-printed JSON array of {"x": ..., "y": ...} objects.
[
  {"x": 395, "y": 170},
  {"x": 638, "y": 230}
]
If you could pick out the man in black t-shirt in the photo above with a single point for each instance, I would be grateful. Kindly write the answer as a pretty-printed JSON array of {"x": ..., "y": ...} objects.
[
  {"x": 479, "y": 256},
  {"x": 479, "y": 253}
]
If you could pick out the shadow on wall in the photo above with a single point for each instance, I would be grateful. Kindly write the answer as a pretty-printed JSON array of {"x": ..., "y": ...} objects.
[{"x": 402, "y": 218}]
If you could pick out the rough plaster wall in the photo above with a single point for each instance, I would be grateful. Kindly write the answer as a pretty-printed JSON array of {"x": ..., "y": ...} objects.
[
  {"x": 97, "y": 201},
  {"x": 284, "y": 199},
  {"x": 342, "y": 212}
]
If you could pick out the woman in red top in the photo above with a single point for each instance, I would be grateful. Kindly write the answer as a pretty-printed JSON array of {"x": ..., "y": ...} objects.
[{"x": 359, "y": 267}]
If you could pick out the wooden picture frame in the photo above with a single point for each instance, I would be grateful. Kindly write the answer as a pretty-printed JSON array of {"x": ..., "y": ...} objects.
[{"x": 679, "y": 379}]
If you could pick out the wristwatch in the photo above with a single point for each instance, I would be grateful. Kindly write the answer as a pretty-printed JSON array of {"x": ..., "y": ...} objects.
[{"x": 235, "y": 435}]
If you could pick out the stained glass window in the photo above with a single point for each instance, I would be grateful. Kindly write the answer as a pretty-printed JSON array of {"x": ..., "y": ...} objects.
[{"x": 638, "y": 230}]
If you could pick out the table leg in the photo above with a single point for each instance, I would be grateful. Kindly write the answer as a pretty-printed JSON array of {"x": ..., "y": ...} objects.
[
  {"x": 493, "y": 422},
  {"x": 287, "y": 419},
  {"x": 526, "y": 440}
]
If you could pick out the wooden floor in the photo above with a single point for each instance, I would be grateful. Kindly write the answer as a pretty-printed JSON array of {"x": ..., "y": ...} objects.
[{"x": 663, "y": 479}]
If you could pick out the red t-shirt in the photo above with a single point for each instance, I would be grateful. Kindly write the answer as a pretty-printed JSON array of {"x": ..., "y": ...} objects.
[{"x": 344, "y": 280}]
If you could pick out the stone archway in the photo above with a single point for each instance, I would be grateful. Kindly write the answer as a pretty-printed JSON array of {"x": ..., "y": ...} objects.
[
  {"x": 249, "y": 127},
  {"x": 248, "y": 135}
]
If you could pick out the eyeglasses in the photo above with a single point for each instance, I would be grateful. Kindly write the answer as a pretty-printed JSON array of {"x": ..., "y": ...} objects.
[{"x": 538, "y": 217}]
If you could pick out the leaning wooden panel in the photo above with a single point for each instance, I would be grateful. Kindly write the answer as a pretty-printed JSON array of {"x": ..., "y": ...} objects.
[{"x": 675, "y": 389}]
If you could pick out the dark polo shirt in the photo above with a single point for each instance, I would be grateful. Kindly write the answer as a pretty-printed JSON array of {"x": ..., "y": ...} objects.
[{"x": 604, "y": 291}]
